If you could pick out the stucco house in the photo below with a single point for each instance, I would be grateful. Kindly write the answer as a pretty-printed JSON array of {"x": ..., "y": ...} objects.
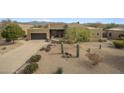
[
  {"x": 52, "y": 30},
  {"x": 114, "y": 33},
  {"x": 56, "y": 30}
]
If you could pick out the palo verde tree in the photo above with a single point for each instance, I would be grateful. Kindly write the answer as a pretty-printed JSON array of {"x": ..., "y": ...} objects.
[
  {"x": 12, "y": 31},
  {"x": 77, "y": 34}
]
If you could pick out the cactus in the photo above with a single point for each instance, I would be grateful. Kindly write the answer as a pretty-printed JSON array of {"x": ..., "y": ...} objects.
[
  {"x": 77, "y": 52},
  {"x": 62, "y": 49}
]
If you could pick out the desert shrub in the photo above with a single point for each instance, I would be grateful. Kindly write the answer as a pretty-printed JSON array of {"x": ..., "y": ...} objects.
[
  {"x": 119, "y": 43},
  {"x": 94, "y": 58},
  {"x": 88, "y": 50},
  {"x": 25, "y": 36},
  {"x": 48, "y": 48},
  {"x": 29, "y": 69},
  {"x": 102, "y": 40},
  {"x": 47, "y": 40},
  {"x": 41, "y": 49},
  {"x": 59, "y": 71},
  {"x": 4, "y": 48},
  {"x": 26, "y": 39},
  {"x": 67, "y": 55},
  {"x": 35, "y": 58}
]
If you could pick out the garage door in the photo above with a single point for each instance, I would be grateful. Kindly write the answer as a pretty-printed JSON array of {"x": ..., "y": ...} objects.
[{"x": 36, "y": 36}]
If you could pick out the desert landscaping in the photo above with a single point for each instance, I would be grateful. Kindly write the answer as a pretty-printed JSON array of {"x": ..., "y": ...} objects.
[
  {"x": 61, "y": 48},
  {"x": 53, "y": 60}
]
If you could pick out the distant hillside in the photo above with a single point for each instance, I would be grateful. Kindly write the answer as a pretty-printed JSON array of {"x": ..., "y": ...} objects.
[
  {"x": 37, "y": 23},
  {"x": 41, "y": 23}
]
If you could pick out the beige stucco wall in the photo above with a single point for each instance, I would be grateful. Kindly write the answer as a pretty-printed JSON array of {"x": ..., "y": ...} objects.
[
  {"x": 95, "y": 35},
  {"x": 115, "y": 34},
  {"x": 38, "y": 30}
]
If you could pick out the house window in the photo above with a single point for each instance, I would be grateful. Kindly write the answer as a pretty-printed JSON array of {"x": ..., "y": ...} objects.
[
  {"x": 97, "y": 34},
  {"x": 110, "y": 34}
]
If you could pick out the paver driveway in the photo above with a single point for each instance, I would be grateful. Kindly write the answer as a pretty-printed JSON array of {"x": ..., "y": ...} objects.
[{"x": 14, "y": 59}]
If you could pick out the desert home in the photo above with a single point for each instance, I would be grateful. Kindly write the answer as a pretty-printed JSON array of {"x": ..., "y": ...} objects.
[
  {"x": 52, "y": 30},
  {"x": 114, "y": 33},
  {"x": 56, "y": 30}
]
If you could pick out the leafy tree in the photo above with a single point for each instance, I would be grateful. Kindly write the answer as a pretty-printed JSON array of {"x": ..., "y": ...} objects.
[
  {"x": 77, "y": 34},
  {"x": 12, "y": 31}
]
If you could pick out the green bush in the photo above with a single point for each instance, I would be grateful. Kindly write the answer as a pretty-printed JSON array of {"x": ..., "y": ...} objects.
[
  {"x": 29, "y": 69},
  {"x": 119, "y": 43},
  {"x": 35, "y": 58},
  {"x": 41, "y": 49}
]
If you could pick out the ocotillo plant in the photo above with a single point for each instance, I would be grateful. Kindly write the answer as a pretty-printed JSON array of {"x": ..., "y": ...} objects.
[
  {"x": 62, "y": 49},
  {"x": 77, "y": 48}
]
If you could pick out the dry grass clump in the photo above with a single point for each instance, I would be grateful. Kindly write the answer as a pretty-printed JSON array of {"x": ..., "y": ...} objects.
[{"x": 94, "y": 58}]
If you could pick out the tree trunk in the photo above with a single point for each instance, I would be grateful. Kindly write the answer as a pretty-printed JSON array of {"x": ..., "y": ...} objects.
[{"x": 8, "y": 40}]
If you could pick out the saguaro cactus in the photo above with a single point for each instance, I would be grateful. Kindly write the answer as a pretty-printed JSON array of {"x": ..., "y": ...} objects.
[
  {"x": 100, "y": 46},
  {"x": 77, "y": 50},
  {"x": 62, "y": 49}
]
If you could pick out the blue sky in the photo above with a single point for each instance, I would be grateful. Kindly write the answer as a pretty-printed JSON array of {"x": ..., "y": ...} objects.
[{"x": 69, "y": 20}]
